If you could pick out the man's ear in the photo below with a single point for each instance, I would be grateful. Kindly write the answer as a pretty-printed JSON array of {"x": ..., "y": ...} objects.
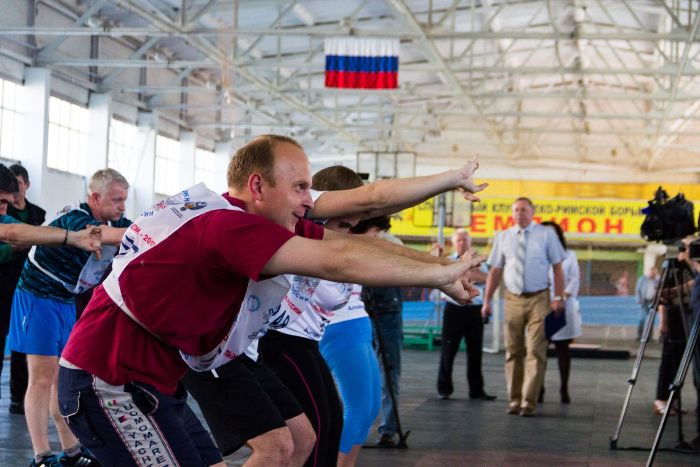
[
  {"x": 255, "y": 182},
  {"x": 95, "y": 197}
]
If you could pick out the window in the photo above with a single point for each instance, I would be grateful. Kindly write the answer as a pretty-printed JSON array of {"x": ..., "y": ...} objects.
[
  {"x": 68, "y": 136},
  {"x": 168, "y": 167},
  {"x": 123, "y": 156},
  {"x": 9, "y": 118},
  {"x": 205, "y": 170}
]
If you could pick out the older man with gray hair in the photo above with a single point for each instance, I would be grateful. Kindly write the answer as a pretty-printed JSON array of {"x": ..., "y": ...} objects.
[
  {"x": 43, "y": 308},
  {"x": 463, "y": 322}
]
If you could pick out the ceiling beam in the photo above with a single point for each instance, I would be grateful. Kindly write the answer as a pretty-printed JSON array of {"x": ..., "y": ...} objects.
[{"x": 336, "y": 30}]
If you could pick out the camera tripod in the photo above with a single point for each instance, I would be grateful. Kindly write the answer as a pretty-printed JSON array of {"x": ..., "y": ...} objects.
[{"x": 671, "y": 277}]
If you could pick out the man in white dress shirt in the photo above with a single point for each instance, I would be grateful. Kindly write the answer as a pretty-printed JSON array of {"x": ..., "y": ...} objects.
[{"x": 522, "y": 255}]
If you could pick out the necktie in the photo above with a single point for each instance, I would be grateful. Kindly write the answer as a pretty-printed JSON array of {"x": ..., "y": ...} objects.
[{"x": 519, "y": 279}]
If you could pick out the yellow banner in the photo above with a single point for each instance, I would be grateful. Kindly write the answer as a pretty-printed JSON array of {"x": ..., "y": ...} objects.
[{"x": 592, "y": 219}]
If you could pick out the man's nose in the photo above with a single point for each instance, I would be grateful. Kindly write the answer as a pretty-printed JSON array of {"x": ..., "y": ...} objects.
[{"x": 307, "y": 201}]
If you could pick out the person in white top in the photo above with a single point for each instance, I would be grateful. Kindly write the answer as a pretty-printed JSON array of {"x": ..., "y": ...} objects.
[
  {"x": 292, "y": 350},
  {"x": 347, "y": 348},
  {"x": 562, "y": 339}
]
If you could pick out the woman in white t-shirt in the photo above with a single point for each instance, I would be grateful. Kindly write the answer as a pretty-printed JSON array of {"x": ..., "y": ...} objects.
[
  {"x": 347, "y": 348},
  {"x": 292, "y": 349}
]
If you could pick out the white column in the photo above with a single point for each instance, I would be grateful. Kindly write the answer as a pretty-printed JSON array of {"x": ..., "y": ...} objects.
[
  {"x": 142, "y": 186},
  {"x": 222, "y": 154},
  {"x": 188, "y": 147},
  {"x": 100, "y": 109},
  {"x": 34, "y": 131}
]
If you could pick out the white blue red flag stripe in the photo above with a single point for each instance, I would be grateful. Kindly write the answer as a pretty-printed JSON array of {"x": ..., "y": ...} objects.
[{"x": 362, "y": 63}]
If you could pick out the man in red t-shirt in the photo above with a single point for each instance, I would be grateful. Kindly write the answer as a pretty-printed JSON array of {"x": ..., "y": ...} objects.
[{"x": 118, "y": 385}]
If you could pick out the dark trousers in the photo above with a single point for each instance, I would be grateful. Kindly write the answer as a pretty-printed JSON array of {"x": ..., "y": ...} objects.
[
  {"x": 673, "y": 345},
  {"x": 19, "y": 375},
  {"x": 458, "y": 322},
  {"x": 298, "y": 363},
  {"x": 390, "y": 325}
]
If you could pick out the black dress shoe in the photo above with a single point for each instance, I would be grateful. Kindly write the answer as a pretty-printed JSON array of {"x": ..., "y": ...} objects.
[
  {"x": 16, "y": 408},
  {"x": 565, "y": 399},
  {"x": 386, "y": 441},
  {"x": 483, "y": 396}
]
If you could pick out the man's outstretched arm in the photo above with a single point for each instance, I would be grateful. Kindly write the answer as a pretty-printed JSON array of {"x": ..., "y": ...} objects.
[
  {"x": 88, "y": 239},
  {"x": 357, "y": 261},
  {"x": 389, "y": 196},
  {"x": 422, "y": 256}
]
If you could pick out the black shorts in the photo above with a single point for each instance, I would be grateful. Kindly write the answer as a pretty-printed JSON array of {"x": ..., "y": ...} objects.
[{"x": 245, "y": 400}]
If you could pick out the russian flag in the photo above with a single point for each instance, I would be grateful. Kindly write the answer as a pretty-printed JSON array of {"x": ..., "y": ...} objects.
[{"x": 362, "y": 63}]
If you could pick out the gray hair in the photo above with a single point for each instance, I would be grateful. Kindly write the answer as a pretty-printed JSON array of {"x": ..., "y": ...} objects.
[
  {"x": 460, "y": 231},
  {"x": 100, "y": 181}
]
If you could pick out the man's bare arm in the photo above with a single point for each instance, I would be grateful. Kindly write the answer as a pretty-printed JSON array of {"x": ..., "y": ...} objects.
[
  {"x": 493, "y": 280},
  {"x": 112, "y": 235},
  {"x": 422, "y": 256},
  {"x": 354, "y": 260},
  {"x": 24, "y": 235},
  {"x": 389, "y": 196}
]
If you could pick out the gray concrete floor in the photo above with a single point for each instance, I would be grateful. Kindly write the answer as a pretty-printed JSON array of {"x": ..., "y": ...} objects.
[{"x": 461, "y": 432}]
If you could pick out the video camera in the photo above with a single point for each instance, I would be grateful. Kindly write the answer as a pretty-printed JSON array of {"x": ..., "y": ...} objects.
[
  {"x": 668, "y": 220},
  {"x": 693, "y": 249}
]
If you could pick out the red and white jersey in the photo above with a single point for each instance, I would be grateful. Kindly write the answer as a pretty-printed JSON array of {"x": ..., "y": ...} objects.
[{"x": 186, "y": 288}]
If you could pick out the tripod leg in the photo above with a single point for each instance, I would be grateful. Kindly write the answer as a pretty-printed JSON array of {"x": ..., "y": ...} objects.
[
  {"x": 640, "y": 354},
  {"x": 632, "y": 380},
  {"x": 676, "y": 387}
]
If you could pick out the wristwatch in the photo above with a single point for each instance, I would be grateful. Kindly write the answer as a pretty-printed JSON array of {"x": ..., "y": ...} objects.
[{"x": 557, "y": 298}]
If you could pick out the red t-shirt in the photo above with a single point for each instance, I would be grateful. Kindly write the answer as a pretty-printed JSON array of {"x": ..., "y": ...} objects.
[{"x": 187, "y": 290}]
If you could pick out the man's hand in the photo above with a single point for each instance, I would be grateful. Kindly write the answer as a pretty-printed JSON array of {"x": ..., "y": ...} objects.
[
  {"x": 458, "y": 287},
  {"x": 558, "y": 306},
  {"x": 466, "y": 182},
  {"x": 486, "y": 310},
  {"x": 436, "y": 250},
  {"x": 461, "y": 289},
  {"x": 88, "y": 239}
]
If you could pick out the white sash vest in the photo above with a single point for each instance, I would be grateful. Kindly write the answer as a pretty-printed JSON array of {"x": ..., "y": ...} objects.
[{"x": 262, "y": 299}]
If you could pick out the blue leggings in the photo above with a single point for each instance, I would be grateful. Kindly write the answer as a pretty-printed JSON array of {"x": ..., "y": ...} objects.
[{"x": 347, "y": 348}]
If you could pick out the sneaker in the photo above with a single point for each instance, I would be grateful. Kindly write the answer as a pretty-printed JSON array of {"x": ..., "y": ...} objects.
[
  {"x": 50, "y": 461},
  {"x": 84, "y": 459},
  {"x": 443, "y": 396}
]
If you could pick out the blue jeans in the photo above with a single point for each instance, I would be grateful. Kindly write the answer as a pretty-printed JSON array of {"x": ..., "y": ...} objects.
[{"x": 391, "y": 328}]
